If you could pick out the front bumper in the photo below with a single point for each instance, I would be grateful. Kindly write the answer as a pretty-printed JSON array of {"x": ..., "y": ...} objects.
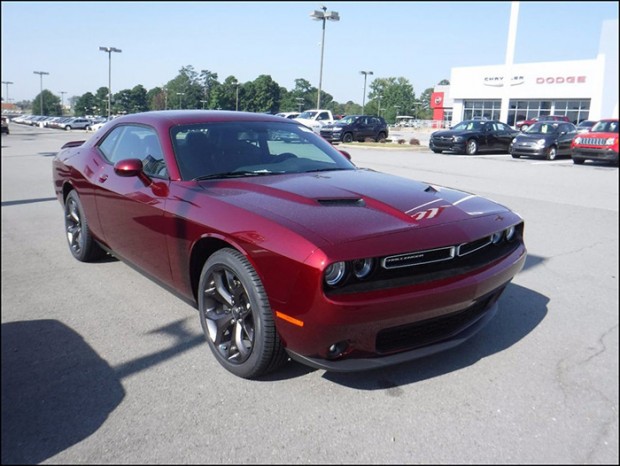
[
  {"x": 606, "y": 155},
  {"x": 380, "y": 328},
  {"x": 449, "y": 146}
]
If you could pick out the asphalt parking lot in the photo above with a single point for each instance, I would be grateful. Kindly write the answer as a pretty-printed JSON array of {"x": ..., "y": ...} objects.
[{"x": 100, "y": 365}]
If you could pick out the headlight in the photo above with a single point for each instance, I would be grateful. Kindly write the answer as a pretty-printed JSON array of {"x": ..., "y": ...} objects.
[
  {"x": 337, "y": 130},
  {"x": 362, "y": 267},
  {"x": 496, "y": 237},
  {"x": 540, "y": 143},
  {"x": 334, "y": 273},
  {"x": 510, "y": 233},
  {"x": 457, "y": 138},
  {"x": 610, "y": 141},
  {"x": 577, "y": 140}
]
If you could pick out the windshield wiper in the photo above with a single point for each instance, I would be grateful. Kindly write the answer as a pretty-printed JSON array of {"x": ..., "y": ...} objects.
[
  {"x": 325, "y": 169},
  {"x": 235, "y": 174}
]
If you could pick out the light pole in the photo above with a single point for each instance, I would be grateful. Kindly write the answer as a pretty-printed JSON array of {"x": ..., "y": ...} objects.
[
  {"x": 109, "y": 51},
  {"x": 236, "y": 84},
  {"x": 396, "y": 116},
  {"x": 7, "y": 89},
  {"x": 300, "y": 102},
  {"x": 62, "y": 102},
  {"x": 365, "y": 73},
  {"x": 203, "y": 103},
  {"x": 180, "y": 94},
  {"x": 41, "y": 73},
  {"x": 379, "y": 106},
  {"x": 323, "y": 16}
]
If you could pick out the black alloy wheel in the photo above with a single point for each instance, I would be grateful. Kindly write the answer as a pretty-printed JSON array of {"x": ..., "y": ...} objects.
[
  {"x": 81, "y": 242},
  {"x": 236, "y": 317}
]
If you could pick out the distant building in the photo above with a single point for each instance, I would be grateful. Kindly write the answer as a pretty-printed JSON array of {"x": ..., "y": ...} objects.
[{"x": 580, "y": 89}]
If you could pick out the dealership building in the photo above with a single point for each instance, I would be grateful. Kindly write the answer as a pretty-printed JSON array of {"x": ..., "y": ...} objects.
[{"x": 580, "y": 89}]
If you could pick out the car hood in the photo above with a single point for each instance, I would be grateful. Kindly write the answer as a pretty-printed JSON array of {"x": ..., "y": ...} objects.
[
  {"x": 525, "y": 137},
  {"x": 349, "y": 205},
  {"x": 450, "y": 133}
]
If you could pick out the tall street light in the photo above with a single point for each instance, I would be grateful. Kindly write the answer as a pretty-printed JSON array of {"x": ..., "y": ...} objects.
[
  {"x": 323, "y": 16},
  {"x": 7, "y": 89},
  {"x": 180, "y": 94},
  {"x": 62, "y": 102},
  {"x": 109, "y": 51},
  {"x": 300, "y": 102},
  {"x": 41, "y": 73},
  {"x": 236, "y": 84},
  {"x": 365, "y": 73}
]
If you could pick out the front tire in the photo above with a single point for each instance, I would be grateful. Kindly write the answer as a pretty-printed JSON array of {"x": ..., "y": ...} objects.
[
  {"x": 552, "y": 153},
  {"x": 236, "y": 317},
  {"x": 81, "y": 242},
  {"x": 578, "y": 161},
  {"x": 347, "y": 138},
  {"x": 471, "y": 148}
]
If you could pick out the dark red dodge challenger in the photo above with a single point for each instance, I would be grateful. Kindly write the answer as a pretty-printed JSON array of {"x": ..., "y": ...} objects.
[{"x": 285, "y": 246}]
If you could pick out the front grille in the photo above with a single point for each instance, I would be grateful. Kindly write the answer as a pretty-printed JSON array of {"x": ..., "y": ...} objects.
[
  {"x": 434, "y": 330},
  {"x": 418, "y": 267},
  {"x": 593, "y": 141}
]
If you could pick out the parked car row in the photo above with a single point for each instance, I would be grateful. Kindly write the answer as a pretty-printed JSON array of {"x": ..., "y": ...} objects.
[
  {"x": 543, "y": 139},
  {"x": 66, "y": 123}
]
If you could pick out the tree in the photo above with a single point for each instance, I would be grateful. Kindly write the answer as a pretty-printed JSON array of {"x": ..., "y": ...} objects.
[
  {"x": 51, "y": 104},
  {"x": 396, "y": 95},
  {"x": 443, "y": 82}
]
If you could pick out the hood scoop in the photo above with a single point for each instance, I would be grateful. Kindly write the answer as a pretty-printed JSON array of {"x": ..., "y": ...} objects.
[{"x": 342, "y": 202}]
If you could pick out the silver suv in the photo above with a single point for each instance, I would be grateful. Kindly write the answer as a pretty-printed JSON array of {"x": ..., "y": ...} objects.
[{"x": 75, "y": 123}]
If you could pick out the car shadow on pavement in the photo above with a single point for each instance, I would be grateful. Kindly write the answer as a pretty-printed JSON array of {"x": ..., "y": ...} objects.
[
  {"x": 56, "y": 390},
  {"x": 520, "y": 311}
]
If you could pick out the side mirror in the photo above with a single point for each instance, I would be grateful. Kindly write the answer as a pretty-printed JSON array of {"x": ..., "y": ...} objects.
[{"x": 132, "y": 167}]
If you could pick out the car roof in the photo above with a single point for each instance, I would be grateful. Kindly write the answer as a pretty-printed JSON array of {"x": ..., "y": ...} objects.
[{"x": 187, "y": 117}]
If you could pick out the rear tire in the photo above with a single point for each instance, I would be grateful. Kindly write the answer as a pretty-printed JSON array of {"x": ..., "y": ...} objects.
[{"x": 81, "y": 242}]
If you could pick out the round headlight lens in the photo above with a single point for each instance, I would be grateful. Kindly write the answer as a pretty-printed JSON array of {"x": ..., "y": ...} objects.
[
  {"x": 334, "y": 273},
  {"x": 510, "y": 233},
  {"x": 496, "y": 237},
  {"x": 362, "y": 267}
]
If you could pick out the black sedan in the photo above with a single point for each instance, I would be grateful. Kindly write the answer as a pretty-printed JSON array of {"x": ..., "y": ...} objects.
[
  {"x": 473, "y": 136},
  {"x": 545, "y": 139}
]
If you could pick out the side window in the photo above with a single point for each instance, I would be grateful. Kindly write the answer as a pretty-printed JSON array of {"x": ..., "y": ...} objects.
[{"x": 135, "y": 142}]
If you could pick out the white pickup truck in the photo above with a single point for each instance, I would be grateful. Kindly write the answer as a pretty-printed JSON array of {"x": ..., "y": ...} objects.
[{"x": 315, "y": 119}]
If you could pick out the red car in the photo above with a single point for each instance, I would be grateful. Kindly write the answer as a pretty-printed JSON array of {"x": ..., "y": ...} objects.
[
  {"x": 600, "y": 143},
  {"x": 283, "y": 245}
]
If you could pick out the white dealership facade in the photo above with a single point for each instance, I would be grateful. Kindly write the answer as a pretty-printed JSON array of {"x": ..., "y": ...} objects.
[{"x": 580, "y": 89}]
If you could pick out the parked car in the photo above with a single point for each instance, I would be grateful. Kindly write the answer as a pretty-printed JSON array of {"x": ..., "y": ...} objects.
[
  {"x": 525, "y": 124},
  {"x": 74, "y": 123},
  {"x": 5, "y": 125},
  {"x": 600, "y": 143},
  {"x": 548, "y": 139},
  {"x": 473, "y": 136},
  {"x": 287, "y": 249},
  {"x": 585, "y": 126},
  {"x": 356, "y": 128}
]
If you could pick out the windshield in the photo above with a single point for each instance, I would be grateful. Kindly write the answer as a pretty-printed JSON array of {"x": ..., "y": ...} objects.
[
  {"x": 348, "y": 120},
  {"x": 542, "y": 128},
  {"x": 307, "y": 115},
  {"x": 610, "y": 126},
  {"x": 235, "y": 149},
  {"x": 468, "y": 126}
]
